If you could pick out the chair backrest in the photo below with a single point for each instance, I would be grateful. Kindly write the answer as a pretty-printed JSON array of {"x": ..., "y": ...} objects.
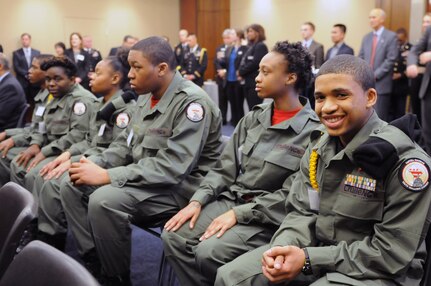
[
  {"x": 17, "y": 210},
  {"x": 21, "y": 120},
  {"x": 40, "y": 264}
]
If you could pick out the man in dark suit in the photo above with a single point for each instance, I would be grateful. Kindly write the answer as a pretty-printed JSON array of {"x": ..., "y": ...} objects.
[
  {"x": 337, "y": 36},
  {"x": 128, "y": 42},
  {"x": 22, "y": 59},
  {"x": 182, "y": 48},
  {"x": 315, "y": 48},
  {"x": 317, "y": 52},
  {"x": 12, "y": 97},
  {"x": 380, "y": 49},
  {"x": 421, "y": 53}
]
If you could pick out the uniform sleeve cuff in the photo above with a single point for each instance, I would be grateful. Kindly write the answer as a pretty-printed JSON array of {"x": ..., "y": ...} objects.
[
  {"x": 244, "y": 213},
  {"x": 201, "y": 196},
  {"x": 118, "y": 176},
  {"x": 322, "y": 258},
  {"x": 47, "y": 151}
]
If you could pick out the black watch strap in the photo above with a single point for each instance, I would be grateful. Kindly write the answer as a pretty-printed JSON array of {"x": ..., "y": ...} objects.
[{"x": 306, "y": 269}]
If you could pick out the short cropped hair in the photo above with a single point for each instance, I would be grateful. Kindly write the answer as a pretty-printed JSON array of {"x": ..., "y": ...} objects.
[
  {"x": 127, "y": 37},
  {"x": 356, "y": 67},
  {"x": 402, "y": 31},
  {"x": 342, "y": 27},
  {"x": 63, "y": 62},
  {"x": 4, "y": 62},
  {"x": 311, "y": 25},
  {"x": 298, "y": 61},
  {"x": 25, "y": 34},
  {"x": 42, "y": 58},
  {"x": 157, "y": 51}
]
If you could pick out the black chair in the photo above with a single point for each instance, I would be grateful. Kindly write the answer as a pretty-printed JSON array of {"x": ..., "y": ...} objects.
[
  {"x": 21, "y": 120},
  {"x": 426, "y": 279},
  {"x": 17, "y": 211},
  {"x": 40, "y": 264}
]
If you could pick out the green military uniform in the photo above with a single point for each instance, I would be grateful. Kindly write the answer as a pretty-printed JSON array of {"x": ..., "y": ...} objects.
[
  {"x": 102, "y": 133},
  {"x": 66, "y": 121},
  {"x": 21, "y": 136},
  {"x": 368, "y": 229},
  {"x": 248, "y": 180},
  {"x": 154, "y": 168}
]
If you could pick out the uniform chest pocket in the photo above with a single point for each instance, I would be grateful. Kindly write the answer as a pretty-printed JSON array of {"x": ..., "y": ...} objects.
[
  {"x": 245, "y": 151},
  {"x": 154, "y": 143},
  {"x": 281, "y": 159},
  {"x": 359, "y": 208},
  {"x": 59, "y": 127}
]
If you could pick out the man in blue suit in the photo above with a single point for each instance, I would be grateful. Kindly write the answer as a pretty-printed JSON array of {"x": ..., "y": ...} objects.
[
  {"x": 380, "y": 49},
  {"x": 12, "y": 97},
  {"x": 340, "y": 48}
]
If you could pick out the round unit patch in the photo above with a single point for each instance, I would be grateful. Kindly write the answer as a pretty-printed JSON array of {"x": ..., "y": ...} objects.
[
  {"x": 79, "y": 108},
  {"x": 414, "y": 175},
  {"x": 123, "y": 120},
  {"x": 195, "y": 112}
]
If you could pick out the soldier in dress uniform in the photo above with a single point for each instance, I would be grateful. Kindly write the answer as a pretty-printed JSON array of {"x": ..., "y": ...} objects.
[
  {"x": 400, "y": 87},
  {"x": 95, "y": 56},
  {"x": 195, "y": 61}
]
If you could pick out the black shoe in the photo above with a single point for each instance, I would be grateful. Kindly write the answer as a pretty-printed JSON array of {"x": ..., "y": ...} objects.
[
  {"x": 28, "y": 236},
  {"x": 58, "y": 240},
  {"x": 119, "y": 280},
  {"x": 92, "y": 263}
]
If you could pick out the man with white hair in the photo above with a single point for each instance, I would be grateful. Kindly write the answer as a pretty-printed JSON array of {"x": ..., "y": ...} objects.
[{"x": 380, "y": 49}]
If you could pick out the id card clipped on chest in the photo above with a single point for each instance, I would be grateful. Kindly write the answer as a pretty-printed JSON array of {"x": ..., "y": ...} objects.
[{"x": 314, "y": 198}]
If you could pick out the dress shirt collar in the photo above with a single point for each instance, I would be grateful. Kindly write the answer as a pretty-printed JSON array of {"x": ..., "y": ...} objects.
[{"x": 3, "y": 76}]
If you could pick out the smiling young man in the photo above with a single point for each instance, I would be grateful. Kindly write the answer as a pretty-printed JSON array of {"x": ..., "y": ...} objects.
[
  {"x": 359, "y": 206},
  {"x": 242, "y": 200},
  {"x": 151, "y": 170}
]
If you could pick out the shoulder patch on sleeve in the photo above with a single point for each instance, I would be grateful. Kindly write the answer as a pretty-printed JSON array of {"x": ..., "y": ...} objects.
[
  {"x": 79, "y": 108},
  {"x": 414, "y": 175},
  {"x": 122, "y": 120},
  {"x": 195, "y": 112}
]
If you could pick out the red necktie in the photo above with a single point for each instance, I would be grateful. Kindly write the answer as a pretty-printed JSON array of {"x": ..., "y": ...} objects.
[{"x": 373, "y": 51}]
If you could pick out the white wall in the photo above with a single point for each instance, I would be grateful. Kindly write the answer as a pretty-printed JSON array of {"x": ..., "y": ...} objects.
[
  {"x": 50, "y": 21},
  {"x": 282, "y": 19}
]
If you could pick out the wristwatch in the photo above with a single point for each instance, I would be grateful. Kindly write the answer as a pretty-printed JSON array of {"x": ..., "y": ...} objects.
[{"x": 306, "y": 269}]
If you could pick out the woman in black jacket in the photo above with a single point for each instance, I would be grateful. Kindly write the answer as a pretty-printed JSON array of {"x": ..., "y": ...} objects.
[
  {"x": 249, "y": 67},
  {"x": 81, "y": 58}
]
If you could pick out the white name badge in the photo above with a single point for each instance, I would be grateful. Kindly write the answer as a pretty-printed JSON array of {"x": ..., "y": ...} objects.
[
  {"x": 40, "y": 111},
  {"x": 314, "y": 198},
  {"x": 101, "y": 129},
  {"x": 79, "y": 57},
  {"x": 129, "y": 138},
  {"x": 42, "y": 128}
]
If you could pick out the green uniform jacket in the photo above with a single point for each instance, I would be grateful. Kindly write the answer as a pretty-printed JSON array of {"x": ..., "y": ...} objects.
[
  {"x": 163, "y": 146},
  {"x": 256, "y": 161},
  {"x": 66, "y": 121},
  {"x": 365, "y": 228},
  {"x": 20, "y": 135},
  {"x": 99, "y": 138}
]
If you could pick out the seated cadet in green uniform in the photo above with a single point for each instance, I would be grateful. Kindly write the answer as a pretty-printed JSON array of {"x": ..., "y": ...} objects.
[
  {"x": 66, "y": 120},
  {"x": 115, "y": 108},
  {"x": 13, "y": 141},
  {"x": 151, "y": 170},
  {"x": 242, "y": 199},
  {"x": 359, "y": 207}
]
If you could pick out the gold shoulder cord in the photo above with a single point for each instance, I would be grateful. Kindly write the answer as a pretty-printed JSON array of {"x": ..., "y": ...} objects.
[{"x": 313, "y": 169}]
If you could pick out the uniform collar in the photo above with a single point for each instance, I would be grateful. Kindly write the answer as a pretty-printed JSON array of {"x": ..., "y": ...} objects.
[
  {"x": 328, "y": 153},
  {"x": 115, "y": 99},
  {"x": 297, "y": 123},
  {"x": 41, "y": 95},
  {"x": 167, "y": 97}
]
